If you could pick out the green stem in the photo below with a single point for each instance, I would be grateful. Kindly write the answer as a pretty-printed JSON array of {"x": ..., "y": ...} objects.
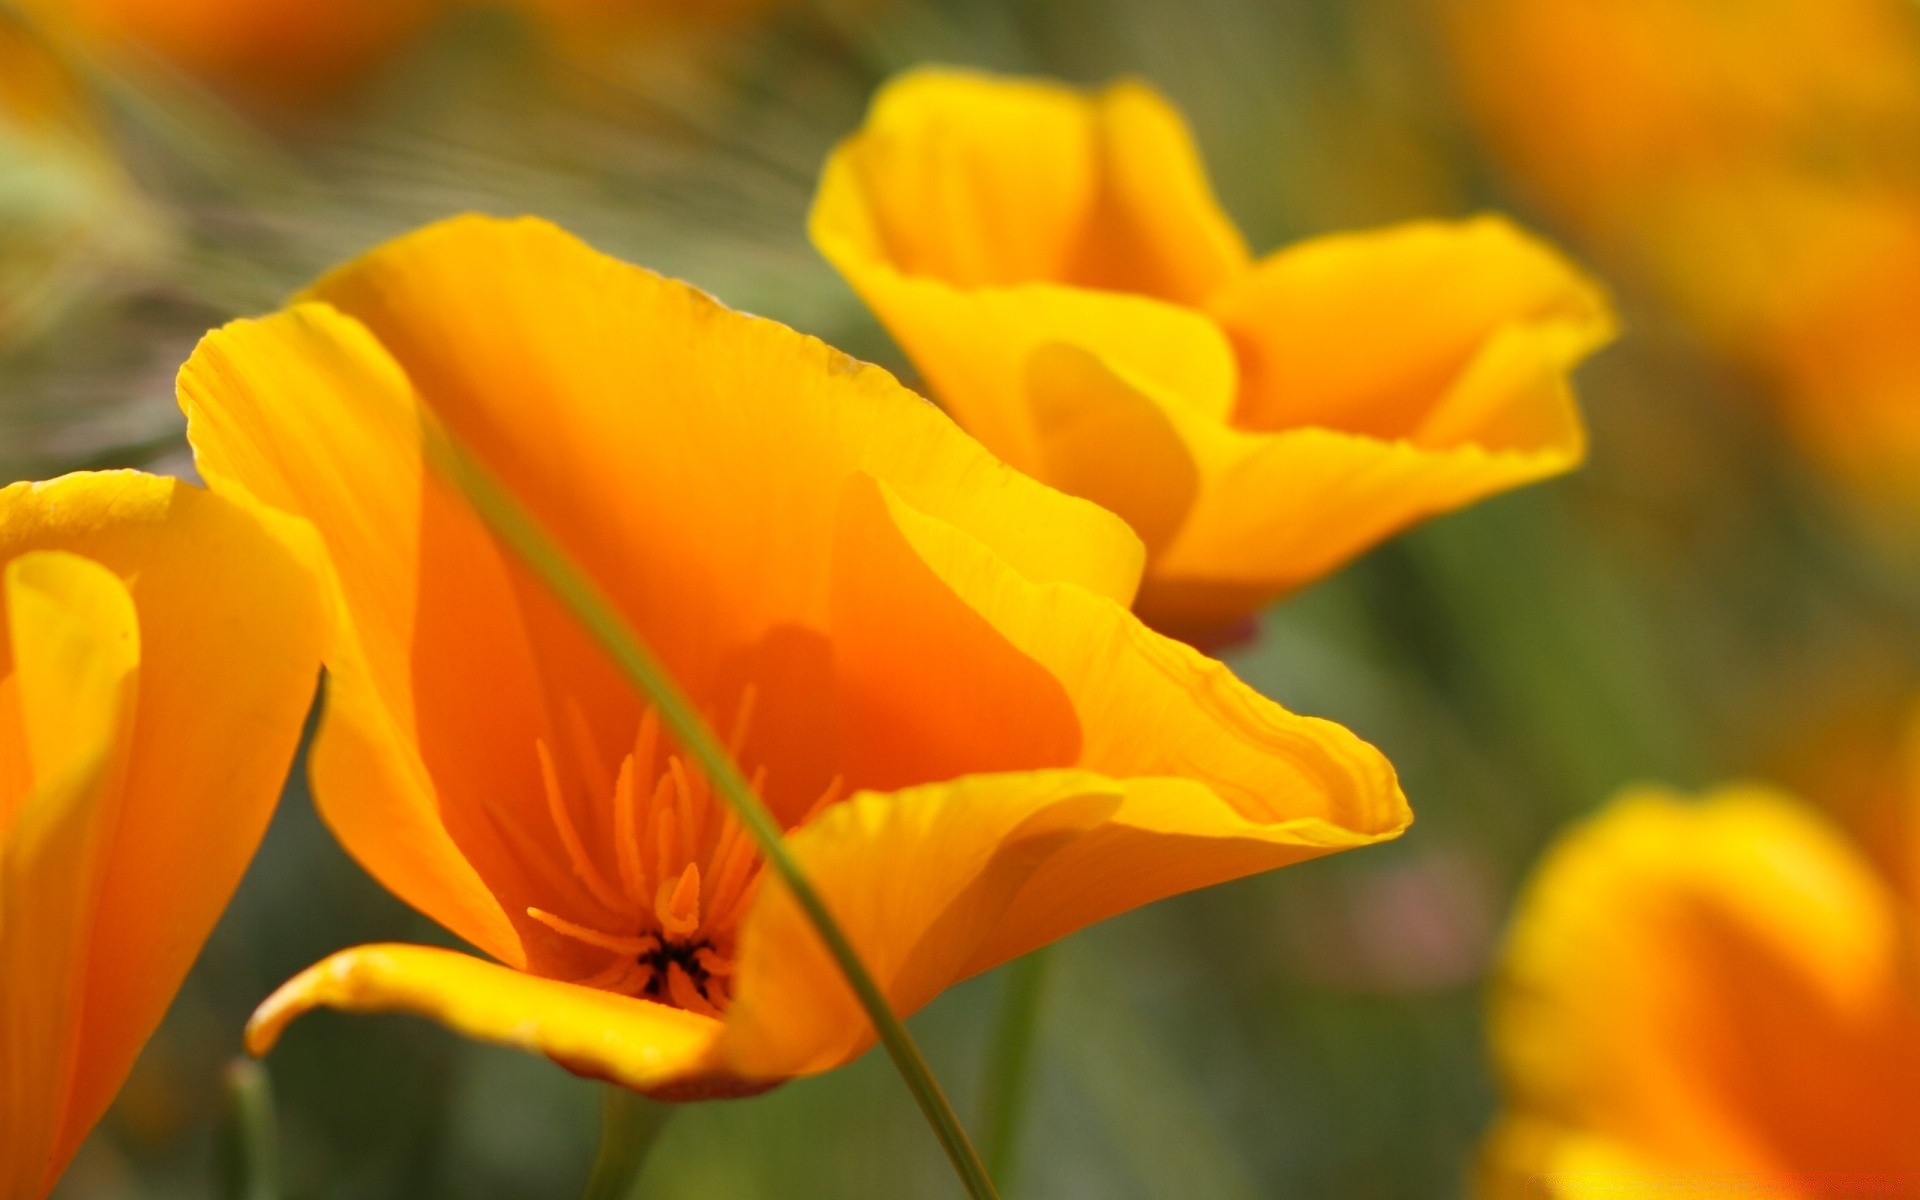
[
  {"x": 630, "y": 1124},
  {"x": 524, "y": 536},
  {"x": 1008, "y": 1084},
  {"x": 249, "y": 1140}
]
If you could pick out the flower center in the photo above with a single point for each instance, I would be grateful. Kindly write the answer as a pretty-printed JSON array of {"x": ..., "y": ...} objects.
[{"x": 682, "y": 868}]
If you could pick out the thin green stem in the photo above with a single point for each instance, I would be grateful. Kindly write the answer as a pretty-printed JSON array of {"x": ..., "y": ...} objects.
[
  {"x": 248, "y": 1144},
  {"x": 1009, "y": 1081},
  {"x": 630, "y": 1124},
  {"x": 523, "y": 535}
]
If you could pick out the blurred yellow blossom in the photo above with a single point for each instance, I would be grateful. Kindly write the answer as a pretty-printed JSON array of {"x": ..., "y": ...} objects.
[
  {"x": 1055, "y": 264},
  {"x": 1713, "y": 991},
  {"x": 924, "y": 658},
  {"x": 1757, "y": 162},
  {"x": 160, "y": 652}
]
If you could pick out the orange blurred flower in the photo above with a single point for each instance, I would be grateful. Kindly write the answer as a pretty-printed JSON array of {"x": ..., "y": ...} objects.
[
  {"x": 925, "y": 659},
  {"x": 1758, "y": 162},
  {"x": 297, "y": 50},
  {"x": 1718, "y": 989},
  {"x": 1056, "y": 265},
  {"x": 160, "y": 652}
]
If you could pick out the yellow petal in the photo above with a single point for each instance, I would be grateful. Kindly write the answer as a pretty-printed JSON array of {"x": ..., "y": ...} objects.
[
  {"x": 1110, "y": 442},
  {"x": 1158, "y": 230},
  {"x": 1369, "y": 333},
  {"x": 971, "y": 321},
  {"x": 629, "y": 1041},
  {"x": 981, "y": 181},
  {"x": 1235, "y": 519},
  {"x": 966, "y": 178},
  {"x": 432, "y": 695},
  {"x": 1713, "y": 986},
  {"x": 918, "y": 879},
  {"x": 75, "y": 652},
  {"x": 1217, "y": 781},
  {"x": 231, "y": 625}
]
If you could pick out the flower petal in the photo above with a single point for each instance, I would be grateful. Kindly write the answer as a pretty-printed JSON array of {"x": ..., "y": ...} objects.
[
  {"x": 668, "y": 427},
  {"x": 1158, "y": 230},
  {"x": 1217, "y": 781},
  {"x": 1368, "y": 333},
  {"x": 970, "y": 330},
  {"x": 231, "y": 627},
  {"x": 1112, "y": 443},
  {"x": 1713, "y": 986},
  {"x": 430, "y": 708},
  {"x": 918, "y": 880},
  {"x": 966, "y": 178},
  {"x": 635, "y": 1043},
  {"x": 978, "y": 181},
  {"x": 74, "y": 645}
]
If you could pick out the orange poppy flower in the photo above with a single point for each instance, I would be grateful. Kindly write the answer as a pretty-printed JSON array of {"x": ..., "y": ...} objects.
[
  {"x": 159, "y": 653},
  {"x": 295, "y": 50},
  {"x": 1056, "y": 266},
  {"x": 924, "y": 658},
  {"x": 1713, "y": 991}
]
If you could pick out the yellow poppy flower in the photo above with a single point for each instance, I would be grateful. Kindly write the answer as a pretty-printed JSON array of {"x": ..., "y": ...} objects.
[
  {"x": 1055, "y": 265},
  {"x": 288, "y": 50},
  {"x": 159, "y": 653},
  {"x": 1706, "y": 990},
  {"x": 924, "y": 659},
  {"x": 1755, "y": 162}
]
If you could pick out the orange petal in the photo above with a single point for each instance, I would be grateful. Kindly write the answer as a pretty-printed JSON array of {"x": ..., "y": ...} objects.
[
  {"x": 231, "y": 628},
  {"x": 1370, "y": 333},
  {"x": 918, "y": 879},
  {"x": 692, "y": 459},
  {"x": 635, "y": 1043},
  {"x": 1712, "y": 986},
  {"x": 74, "y": 645},
  {"x": 670, "y": 427},
  {"x": 1217, "y": 782},
  {"x": 432, "y": 698}
]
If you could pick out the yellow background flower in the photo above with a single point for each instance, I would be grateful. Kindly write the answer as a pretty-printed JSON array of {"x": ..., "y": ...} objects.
[
  {"x": 1698, "y": 989},
  {"x": 1056, "y": 266},
  {"x": 161, "y": 650},
  {"x": 874, "y": 606},
  {"x": 1758, "y": 163}
]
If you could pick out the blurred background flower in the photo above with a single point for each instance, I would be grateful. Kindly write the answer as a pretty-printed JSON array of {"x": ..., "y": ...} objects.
[
  {"x": 1758, "y": 165},
  {"x": 1713, "y": 990},
  {"x": 1700, "y": 601}
]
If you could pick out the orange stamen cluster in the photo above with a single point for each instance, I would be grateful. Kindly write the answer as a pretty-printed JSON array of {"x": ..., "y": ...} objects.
[{"x": 667, "y": 895}]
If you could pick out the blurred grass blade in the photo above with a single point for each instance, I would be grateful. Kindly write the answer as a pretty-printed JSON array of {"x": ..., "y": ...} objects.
[
  {"x": 630, "y": 1125},
  {"x": 1009, "y": 1082},
  {"x": 248, "y": 1145},
  {"x": 636, "y": 661}
]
